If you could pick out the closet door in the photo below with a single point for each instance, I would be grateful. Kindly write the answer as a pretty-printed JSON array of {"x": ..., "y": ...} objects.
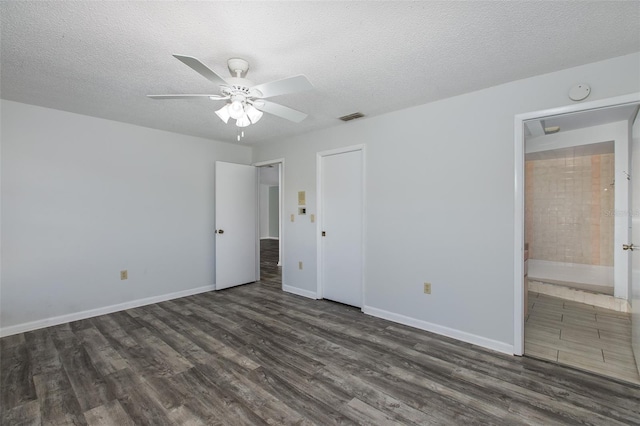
[{"x": 341, "y": 202}]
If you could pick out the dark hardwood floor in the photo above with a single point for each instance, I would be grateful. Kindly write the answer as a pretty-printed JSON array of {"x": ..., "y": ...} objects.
[
  {"x": 270, "y": 272},
  {"x": 256, "y": 355}
]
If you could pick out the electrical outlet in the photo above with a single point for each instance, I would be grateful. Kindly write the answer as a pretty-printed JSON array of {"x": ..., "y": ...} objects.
[
  {"x": 300, "y": 265},
  {"x": 313, "y": 218},
  {"x": 293, "y": 218},
  {"x": 124, "y": 275},
  {"x": 427, "y": 288}
]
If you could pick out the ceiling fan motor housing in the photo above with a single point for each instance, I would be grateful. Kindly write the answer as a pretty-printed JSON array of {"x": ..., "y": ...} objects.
[
  {"x": 238, "y": 65},
  {"x": 238, "y": 86}
]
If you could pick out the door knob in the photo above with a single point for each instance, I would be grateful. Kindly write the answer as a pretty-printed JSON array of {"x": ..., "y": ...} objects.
[
  {"x": 628, "y": 247},
  {"x": 219, "y": 231}
]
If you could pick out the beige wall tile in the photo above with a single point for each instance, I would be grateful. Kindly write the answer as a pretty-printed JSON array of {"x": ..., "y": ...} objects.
[{"x": 568, "y": 213}]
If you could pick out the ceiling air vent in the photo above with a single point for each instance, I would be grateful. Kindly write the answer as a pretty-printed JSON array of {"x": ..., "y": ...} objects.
[{"x": 350, "y": 117}]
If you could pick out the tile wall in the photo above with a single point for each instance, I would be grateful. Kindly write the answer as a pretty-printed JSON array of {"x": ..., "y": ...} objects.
[{"x": 569, "y": 209}]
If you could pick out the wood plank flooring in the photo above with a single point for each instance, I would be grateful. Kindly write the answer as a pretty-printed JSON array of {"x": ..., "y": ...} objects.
[
  {"x": 269, "y": 269},
  {"x": 256, "y": 355},
  {"x": 580, "y": 335}
]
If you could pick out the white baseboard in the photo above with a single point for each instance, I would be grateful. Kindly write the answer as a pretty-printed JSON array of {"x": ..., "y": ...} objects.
[
  {"x": 269, "y": 238},
  {"x": 300, "y": 292},
  {"x": 62, "y": 319},
  {"x": 438, "y": 329}
]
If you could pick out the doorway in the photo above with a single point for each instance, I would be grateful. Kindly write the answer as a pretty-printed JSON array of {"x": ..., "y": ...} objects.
[
  {"x": 341, "y": 225},
  {"x": 560, "y": 326},
  {"x": 269, "y": 216}
]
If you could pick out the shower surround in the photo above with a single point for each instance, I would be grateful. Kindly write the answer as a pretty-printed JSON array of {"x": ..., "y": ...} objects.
[{"x": 569, "y": 219}]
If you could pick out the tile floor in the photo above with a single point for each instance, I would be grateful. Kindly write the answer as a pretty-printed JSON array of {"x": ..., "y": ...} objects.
[{"x": 580, "y": 335}]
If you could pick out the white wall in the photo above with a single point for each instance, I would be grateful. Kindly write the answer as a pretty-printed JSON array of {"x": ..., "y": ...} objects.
[
  {"x": 263, "y": 206},
  {"x": 269, "y": 177},
  {"x": 83, "y": 198},
  {"x": 274, "y": 212},
  {"x": 268, "y": 211},
  {"x": 439, "y": 202}
]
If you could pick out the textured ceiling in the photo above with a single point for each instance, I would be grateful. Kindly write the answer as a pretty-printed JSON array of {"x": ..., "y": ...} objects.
[{"x": 102, "y": 58}]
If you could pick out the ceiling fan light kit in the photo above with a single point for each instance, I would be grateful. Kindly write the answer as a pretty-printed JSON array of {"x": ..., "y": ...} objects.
[
  {"x": 242, "y": 111},
  {"x": 253, "y": 113},
  {"x": 236, "y": 110},
  {"x": 246, "y": 102},
  {"x": 223, "y": 113},
  {"x": 243, "y": 121}
]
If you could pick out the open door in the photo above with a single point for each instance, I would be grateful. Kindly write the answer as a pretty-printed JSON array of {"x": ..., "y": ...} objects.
[
  {"x": 634, "y": 293},
  {"x": 236, "y": 224}
]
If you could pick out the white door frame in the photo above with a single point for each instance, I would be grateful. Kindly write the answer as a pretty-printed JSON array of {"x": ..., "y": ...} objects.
[
  {"x": 519, "y": 119},
  {"x": 279, "y": 161},
  {"x": 320, "y": 219}
]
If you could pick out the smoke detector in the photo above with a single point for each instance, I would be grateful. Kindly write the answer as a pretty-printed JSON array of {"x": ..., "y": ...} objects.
[{"x": 579, "y": 92}]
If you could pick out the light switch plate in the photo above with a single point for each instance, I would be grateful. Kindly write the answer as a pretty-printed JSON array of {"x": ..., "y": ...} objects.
[
  {"x": 293, "y": 218},
  {"x": 313, "y": 218}
]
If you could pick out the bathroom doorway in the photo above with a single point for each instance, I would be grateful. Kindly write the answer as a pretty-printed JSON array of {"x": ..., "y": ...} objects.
[{"x": 576, "y": 213}]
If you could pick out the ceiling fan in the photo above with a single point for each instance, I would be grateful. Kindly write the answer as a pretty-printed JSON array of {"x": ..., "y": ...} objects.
[{"x": 246, "y": 101}]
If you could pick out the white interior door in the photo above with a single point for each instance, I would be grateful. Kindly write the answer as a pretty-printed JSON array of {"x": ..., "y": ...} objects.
[
  {"x": 341, "y": 200},
  {"x": 635, "y": 238},
  {"x": 236, "y": 224}
]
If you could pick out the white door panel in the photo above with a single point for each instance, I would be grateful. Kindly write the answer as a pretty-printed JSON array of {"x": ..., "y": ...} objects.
[
  {"x": 236, "y": 224},
  {"x": 635, "y": 239},
  {"x": 342, "y": 204}
]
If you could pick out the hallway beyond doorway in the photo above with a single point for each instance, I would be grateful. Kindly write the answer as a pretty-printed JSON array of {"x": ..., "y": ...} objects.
[{"x": 270, "y": 272}]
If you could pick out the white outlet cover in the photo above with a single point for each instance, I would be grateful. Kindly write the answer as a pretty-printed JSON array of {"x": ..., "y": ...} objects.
[{"x": 579, "y": 92}]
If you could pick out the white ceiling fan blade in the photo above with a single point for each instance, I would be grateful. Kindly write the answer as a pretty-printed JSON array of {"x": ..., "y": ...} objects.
[
  {"x": 201, "y": 68},
  {"x": 299, "y": 83},
  {"x": 280, "y": 111},
  {"x": 212, "y": 97}
]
